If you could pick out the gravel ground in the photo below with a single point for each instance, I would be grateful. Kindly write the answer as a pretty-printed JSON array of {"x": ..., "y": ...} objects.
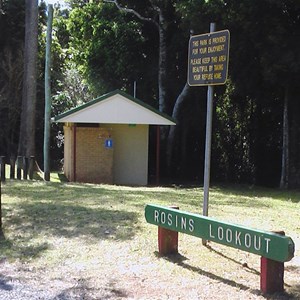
[
  {"x": 122, "y": 278},
  {"x": 14, "y": 289},
  {"x": 19, "y": 283}
]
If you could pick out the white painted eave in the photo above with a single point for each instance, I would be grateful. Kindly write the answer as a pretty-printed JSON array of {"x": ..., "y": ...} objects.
[{"x": 115, "y": 109}]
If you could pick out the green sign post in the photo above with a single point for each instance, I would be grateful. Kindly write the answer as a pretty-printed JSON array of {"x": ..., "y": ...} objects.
[{"x": 266, "y": 244}]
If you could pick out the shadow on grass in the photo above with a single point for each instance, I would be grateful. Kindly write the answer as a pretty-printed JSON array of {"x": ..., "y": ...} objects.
[
  {"x": 67, "y": 220},
  {"x": 84, "y": 290},
  {"x": 257, "y": 194},
  {"x": 295, "y": 291},
  {"x": 62, "y": 210},
  {"x": 180, "y": 260},
  {"x": 245, "y": 266},
  {"x": 21, "y": 248},
  {"x": 62, "y": 177},
  {"x": 75, "y": 193},
  {"x": 4, "y": 285}
]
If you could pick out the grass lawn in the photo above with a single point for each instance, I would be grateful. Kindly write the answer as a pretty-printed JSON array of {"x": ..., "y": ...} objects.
[{"x": 86, "y": 241}]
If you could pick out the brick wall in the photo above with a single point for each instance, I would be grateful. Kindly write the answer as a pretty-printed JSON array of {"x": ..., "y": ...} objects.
[{"x": 94, "y": 161}]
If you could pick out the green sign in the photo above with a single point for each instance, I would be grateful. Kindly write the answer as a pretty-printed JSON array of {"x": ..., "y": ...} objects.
[
  {"x": 208, "y": 58},
  {"x": 267, "y": 244}
]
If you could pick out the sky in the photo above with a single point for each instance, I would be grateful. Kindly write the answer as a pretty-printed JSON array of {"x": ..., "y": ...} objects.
[
  {"x": 54, "y": 1},
  {"x": 62, "y": 2}
]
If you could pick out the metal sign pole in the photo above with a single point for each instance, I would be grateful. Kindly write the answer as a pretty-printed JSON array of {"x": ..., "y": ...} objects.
[
  {"x": 207, "y": 66},
  {"x": 210, "y": 92},
  {"x": 210, "y": 95}
]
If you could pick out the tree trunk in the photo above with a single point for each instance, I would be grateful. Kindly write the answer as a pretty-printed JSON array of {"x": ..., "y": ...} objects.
[
  {"x": 173, "y": 129},
  {"x": 284, "y": 180},
  {"x": 162, "y": 60},
  {"x": 162, "y": 67},
  {"x": 294, "y": 136},
  {"x": 27, "y": 127}
]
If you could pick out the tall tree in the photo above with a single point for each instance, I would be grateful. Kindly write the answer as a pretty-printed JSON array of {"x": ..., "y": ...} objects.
[
  {"x": 157, "y": 11},
  {"x": 11, "y": 71},
  {"x": 27, "y": 126},
  {"x": 284, "y": 178}
]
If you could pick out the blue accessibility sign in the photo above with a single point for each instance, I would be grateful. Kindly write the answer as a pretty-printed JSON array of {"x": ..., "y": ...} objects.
[{"x": 108, "y": 143}]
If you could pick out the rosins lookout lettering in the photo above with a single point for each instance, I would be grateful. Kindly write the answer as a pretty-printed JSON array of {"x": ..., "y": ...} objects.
[{"x": 266, "y": 244}]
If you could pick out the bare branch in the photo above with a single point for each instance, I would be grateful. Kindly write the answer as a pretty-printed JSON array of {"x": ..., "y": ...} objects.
[
  {"x": 155, "y": 7},
  {"x": 132, "y": 11}
]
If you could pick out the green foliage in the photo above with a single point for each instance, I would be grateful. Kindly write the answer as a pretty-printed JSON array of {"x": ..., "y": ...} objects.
[
  {"x": 97, "y": 48},
  {"x": 108, "y": 50},
  {"x": 232, "y": 140}
]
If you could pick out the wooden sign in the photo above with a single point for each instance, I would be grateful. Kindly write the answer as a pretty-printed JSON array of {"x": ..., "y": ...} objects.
[{"x": 267, "y": 244}]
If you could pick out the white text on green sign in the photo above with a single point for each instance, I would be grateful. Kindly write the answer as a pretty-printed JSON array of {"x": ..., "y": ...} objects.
[{"x": 266, "y": 244}]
